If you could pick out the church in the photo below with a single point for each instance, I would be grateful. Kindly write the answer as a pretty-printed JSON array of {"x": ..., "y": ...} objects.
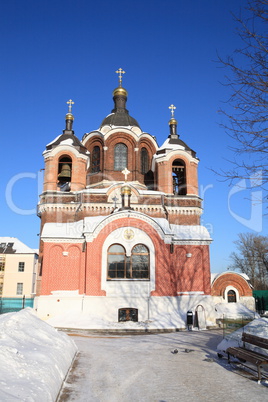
[{"x": 120, "y": 235}]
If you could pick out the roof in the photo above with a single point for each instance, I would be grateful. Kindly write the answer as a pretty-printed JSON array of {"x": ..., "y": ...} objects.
[
  {"x": 67, "y": 138},
  {"x": 76, "y": 230},
  {"x": 119, "y": 118},
  {"x": 12, "y": 245},
  {"x": 215, "y": 276},
  {"x": 172, "y": 144}
]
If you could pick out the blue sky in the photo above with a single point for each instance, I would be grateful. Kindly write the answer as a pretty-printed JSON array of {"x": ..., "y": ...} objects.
[{"x": 55, "y": 50}]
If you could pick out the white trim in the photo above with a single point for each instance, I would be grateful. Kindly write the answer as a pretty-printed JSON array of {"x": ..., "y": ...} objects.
[
  {"x": 176, "y": 152},
  {"x": 68, "y": 148},
  {"x": 230, "y": 287},
  {"x": 139, "y": 237}
]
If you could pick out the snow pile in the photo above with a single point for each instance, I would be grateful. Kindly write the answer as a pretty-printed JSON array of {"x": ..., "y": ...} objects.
[
  {"x": 258, "y": 327},
  {"x": 233, "y": 310},
  {"x": 34, "y": 358}
]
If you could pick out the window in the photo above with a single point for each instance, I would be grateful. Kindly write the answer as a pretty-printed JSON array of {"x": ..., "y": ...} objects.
[
  {"x": 128, "y": 314},
  {"x": 95, "y": 163},
  {"x": 1, "y": 288},
  {"x": 122, "y": 267},
  {"x": 120, "y": 157},
  {"x": 19, "y": 288},
  {"x": 144, "y": 161},
  {"x": 140, "y": 262},
  {"x": 179, "y": 177},
  {"x": 21, "y": 266},
  {"x": 117, "y": 262},
  {"x": 231, "y": 296}
]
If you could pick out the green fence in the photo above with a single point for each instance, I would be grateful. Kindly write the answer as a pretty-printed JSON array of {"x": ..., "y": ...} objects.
[
  {"x": 10, "y": 304},
  {"x": 261, "y": 300}
]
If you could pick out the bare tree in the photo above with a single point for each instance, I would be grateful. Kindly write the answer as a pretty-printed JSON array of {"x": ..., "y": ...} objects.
[
  {"x": 247, "y": 108},
  {"x": 252, "y": 258}
]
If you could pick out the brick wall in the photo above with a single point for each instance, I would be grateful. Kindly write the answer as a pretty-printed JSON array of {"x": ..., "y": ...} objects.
[{"x": 230, "y": 279}]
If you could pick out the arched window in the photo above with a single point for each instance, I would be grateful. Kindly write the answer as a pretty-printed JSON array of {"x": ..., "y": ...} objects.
[
  {"x": 64, "y": 173},
  {"x": 179, "y": 177},
  {"x": 95, "y": 161},
  {"x": 122, "y": 267},
  {"x": 120, "y": 157},
  {"x": 144, "y": 161},
  {"x": 231, "y": 296},
  {"x": 140, "y": 262},
  {"x": 117, "y": 262}
]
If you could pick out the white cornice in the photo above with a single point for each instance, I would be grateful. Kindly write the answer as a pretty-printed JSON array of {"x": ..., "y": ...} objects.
[{"x": 68, "y": 148}]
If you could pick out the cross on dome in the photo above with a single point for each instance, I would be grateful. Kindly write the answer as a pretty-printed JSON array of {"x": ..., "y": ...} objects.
[
  {"x": 172, "y": 108},
  {"x": 126, "y": 173},
  {"x": 70, "y": 103},
  {"x": 120, "y": 73}
]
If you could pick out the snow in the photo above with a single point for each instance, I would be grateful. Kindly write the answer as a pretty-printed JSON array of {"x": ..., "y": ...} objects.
[
  {"x": 89, "y": 224},
  {"x": 167, "y": 145},
  {"x": 55, "y": 139},
  {"x": 258, "y": 327},
  {"x": 34, "y": 358},
  {"x": 69, "y": 141},
  {"x": 20, "y": 247},
  {"x": 190, "y": 232}
]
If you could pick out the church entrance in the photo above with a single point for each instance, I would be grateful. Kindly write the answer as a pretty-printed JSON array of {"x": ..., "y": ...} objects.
[
  {"x": 128, "y": 314},
  {"x": 200, "y": 317}
]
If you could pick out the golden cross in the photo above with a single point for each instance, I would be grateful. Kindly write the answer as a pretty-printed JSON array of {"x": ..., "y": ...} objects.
[
  {"x": 70, "y": 103},
  {"x": 126, "y": 173},
  {"x": 172, "y": 108},
  {"x": 120, "y": 71}
]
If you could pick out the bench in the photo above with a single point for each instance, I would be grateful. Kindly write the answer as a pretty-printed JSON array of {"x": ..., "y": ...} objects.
[{"x": 246, "y": 355}]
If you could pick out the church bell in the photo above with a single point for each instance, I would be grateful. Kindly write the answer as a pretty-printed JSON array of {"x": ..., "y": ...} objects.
[{"x": 65, "y": 173}]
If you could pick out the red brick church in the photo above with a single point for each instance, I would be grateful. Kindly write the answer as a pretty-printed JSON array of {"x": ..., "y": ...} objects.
[{"x": 120, "y": 222}]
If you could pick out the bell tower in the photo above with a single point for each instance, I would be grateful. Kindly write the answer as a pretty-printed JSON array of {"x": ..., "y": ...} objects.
[{"x": 65, "y": 160}]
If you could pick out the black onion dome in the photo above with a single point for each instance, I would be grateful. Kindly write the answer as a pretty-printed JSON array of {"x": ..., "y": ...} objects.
[{"x": 119, "y": 115}]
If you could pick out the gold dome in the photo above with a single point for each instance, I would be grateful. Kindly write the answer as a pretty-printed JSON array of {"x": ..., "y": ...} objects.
[
  {"x": 69, "y": 116},
  {"x": 120, "y": 91},
  {"x": 172, "y": 121},
  {"x": 126, "y": 190}
]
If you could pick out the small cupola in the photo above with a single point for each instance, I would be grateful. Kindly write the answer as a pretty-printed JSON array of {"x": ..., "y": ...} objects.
[
  {"x": 119, "y": 116},
  {"x": 68, "y": 137}
]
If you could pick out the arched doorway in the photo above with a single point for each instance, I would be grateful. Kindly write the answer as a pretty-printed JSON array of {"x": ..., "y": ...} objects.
[{"x": 200, "y": 317}]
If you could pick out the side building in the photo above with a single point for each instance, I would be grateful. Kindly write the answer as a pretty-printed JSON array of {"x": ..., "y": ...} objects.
[{"x": 18, "y": 267}]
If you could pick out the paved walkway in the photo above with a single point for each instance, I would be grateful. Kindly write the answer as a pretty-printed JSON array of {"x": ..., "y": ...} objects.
[{"x": 141, "y": 368}]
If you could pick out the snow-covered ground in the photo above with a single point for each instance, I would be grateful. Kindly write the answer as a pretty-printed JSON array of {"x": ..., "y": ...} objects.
[
  {"x": 147, "y": 368},
  {"x": 34, "y": 358}
]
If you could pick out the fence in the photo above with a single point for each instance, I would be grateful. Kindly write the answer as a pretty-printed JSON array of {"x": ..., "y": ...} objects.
[
  {"x": 232, "y": 324},
  {"x": 11, "y": 304}
]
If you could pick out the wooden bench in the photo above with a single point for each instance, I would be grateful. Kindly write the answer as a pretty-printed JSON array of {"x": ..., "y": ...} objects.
[{"x": 247, "y": 355}]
